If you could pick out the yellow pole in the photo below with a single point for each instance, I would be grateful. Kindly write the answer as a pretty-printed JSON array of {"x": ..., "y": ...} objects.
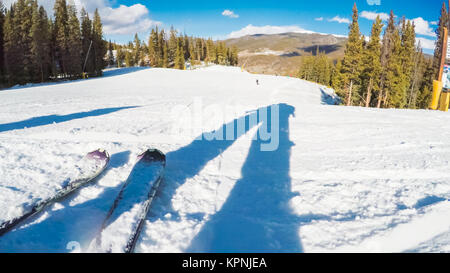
[
  {"x": 437, "y": 88},
  {"x": 445, "y": 99},
  {"x": 437, "y": 85}
]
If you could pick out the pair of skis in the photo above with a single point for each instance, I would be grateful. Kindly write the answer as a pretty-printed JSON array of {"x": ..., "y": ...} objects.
[{"x": 125, "y": 219}]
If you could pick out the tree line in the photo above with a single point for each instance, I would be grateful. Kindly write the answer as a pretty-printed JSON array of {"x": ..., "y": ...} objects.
[
  {"x": 387, "y": 71},
  {"x": 317, "y": 68},
  {"x": 36, "y": 48},
  {"x": 173, "y": 50}
]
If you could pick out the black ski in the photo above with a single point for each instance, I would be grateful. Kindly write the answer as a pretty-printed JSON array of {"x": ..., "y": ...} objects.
[{"x": 124, "y": 222}]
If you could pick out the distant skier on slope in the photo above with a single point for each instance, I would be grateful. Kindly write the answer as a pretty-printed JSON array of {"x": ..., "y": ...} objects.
[{"x": 257, "y": 82}]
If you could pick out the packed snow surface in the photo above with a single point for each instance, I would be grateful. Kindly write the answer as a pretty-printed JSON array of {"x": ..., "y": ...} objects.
[{"x": 341, "y": 179}]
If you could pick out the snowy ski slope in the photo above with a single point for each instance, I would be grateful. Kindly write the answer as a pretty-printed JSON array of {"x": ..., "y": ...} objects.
[{"x": 343, "y": 179}]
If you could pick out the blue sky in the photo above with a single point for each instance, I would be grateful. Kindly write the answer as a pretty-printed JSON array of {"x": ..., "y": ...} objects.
[
  {"x": 232, "y": 18},
  {"x": 218, "y": 19}
]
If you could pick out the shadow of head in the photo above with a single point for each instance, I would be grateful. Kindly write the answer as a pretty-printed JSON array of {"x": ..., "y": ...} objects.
[{"x": 286, "y": 110}]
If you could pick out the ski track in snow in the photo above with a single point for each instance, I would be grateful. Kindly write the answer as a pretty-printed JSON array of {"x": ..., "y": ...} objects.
[{"x": 345, "y": 179}]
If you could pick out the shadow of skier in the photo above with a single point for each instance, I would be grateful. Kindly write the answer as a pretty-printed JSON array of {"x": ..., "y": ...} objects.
[
  {"x": 256, "y": 216},
  {"x": 188, "y": 161}
]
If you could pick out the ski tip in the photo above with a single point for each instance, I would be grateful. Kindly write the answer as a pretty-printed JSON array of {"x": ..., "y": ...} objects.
[
  {"x": 152, "y": 155},
  {"x": 99, "y": 154}
]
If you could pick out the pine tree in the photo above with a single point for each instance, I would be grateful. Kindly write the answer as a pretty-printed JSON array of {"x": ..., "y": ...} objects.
[
  {"x": 443, "y": 23},
  {"x": 111, "y": 60},
  {"x": 129, "y": 61},
  {"x": 185, "y": 44},
  {"x": 351, "y": 63},
  {"x": 395, "y": 94},
  {"x": 386, "y": 53},
  {"x": 98, "y": 45},
  {"x": 211, "y": 52},
  {"x": 426, "y": 88},
  {"x": 165, "y": 61},
  {"x": 74, "y": 64},
  {"x": 16, "y": 44},
  {"x": 33, "y": 47},
  {"x": 192, "y": 54},
  {"x": 317, "y": 68},
  {"x": 52, "y": 45},
  {"x": 120, "y": 56},
  {"x": 61, "y": 29},
  {"x": 199, "y": 49},
  {"x": 370, "y": 75},
  {"x": 87, "y": 55},
  {"x": 137, "y": 50},
  {"x": 172, "y": 47},
  {"x": 156, "y": 48},
  {"x": 24, "y": 21},
  {"x": 222, "y": 54},
  {"x": 234, "y": 56},
  {"x": 417, "y": 77},
  {"x": 153, "y": 48},
  {"x": 409, "y": 58},
  {"x": 11, "y": 53},
  {"x": 338, "y": 80},
  {"x": 179, "y": 57},
  {"x": 40, "y": 45},
  {"x": 2, "y": 51},
  {"x": 161, "y": 44}
]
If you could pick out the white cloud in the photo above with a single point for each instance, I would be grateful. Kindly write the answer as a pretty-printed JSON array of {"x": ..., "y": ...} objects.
[
  {"x": 374, "y": 2},
  {"x": 426, "y": 43},
  {"x": 127, "y": 20},
  {"x": 121, "y": 20},
  {"x": 423, "y": 27},
  {"x": 230, "y": 13},
  {"x": 340, "y": 20},
  {"x": 370, "y": 15},
  {"x": 434, "y": 23},
  {"x": 319, "y": 19},
  {"x": 252, "y": 30}
]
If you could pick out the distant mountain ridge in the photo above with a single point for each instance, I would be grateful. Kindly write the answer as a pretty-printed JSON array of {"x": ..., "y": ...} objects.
[{"x": 282, "y": 53}]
